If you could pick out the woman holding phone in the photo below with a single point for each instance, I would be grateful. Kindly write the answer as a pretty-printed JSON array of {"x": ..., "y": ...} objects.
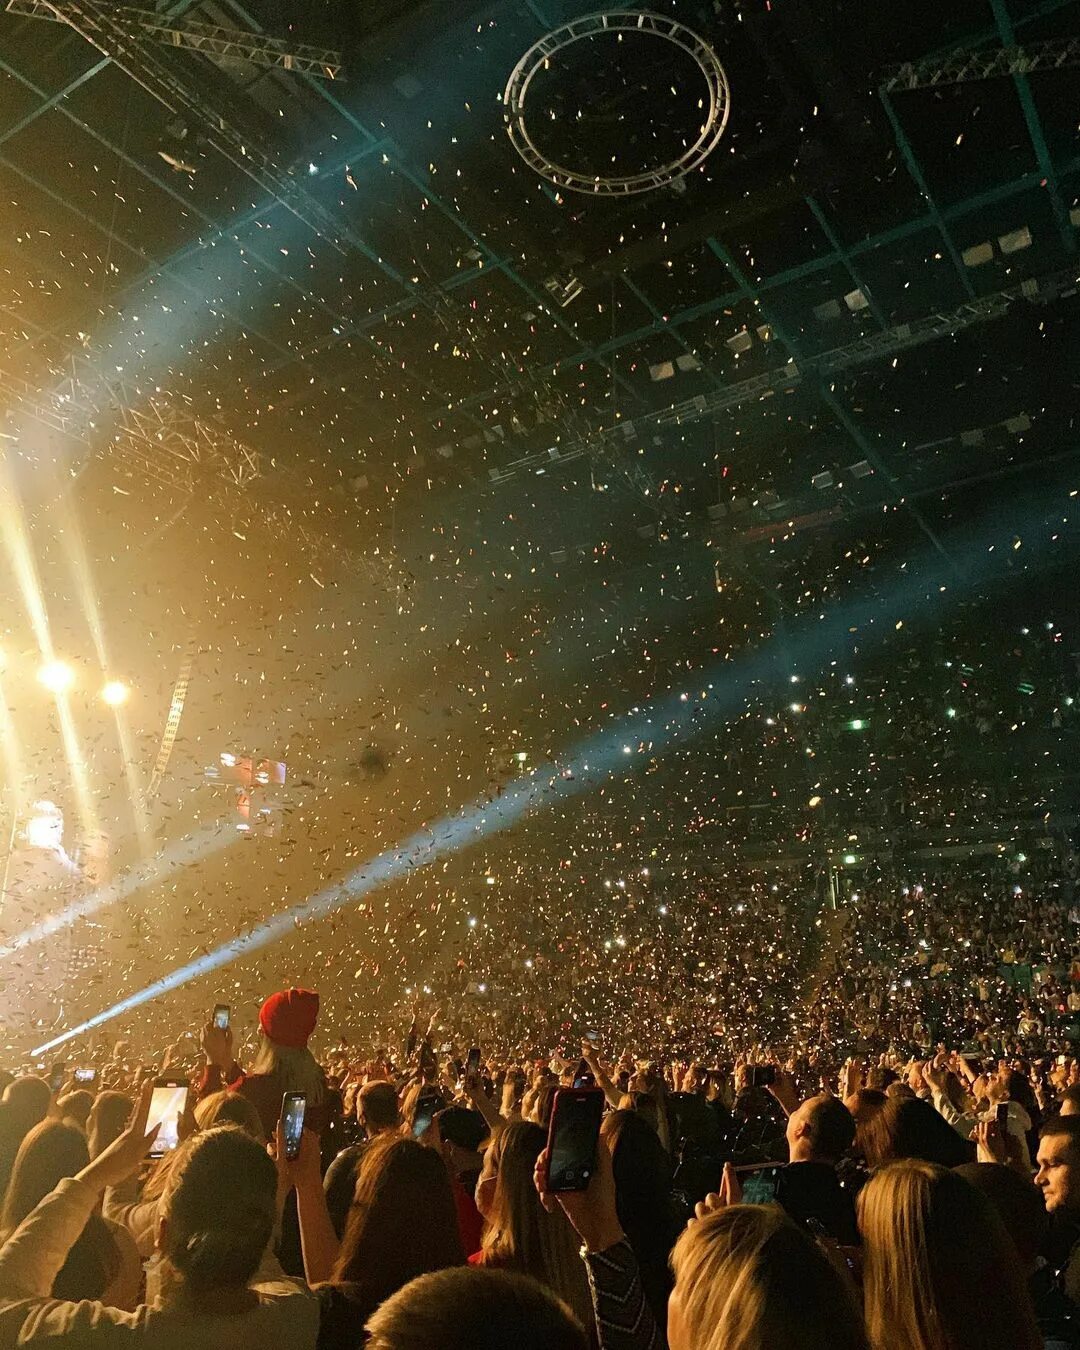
[
  {"x": 215, "y": 1283},
  {"x": 282, "y": 1064}
]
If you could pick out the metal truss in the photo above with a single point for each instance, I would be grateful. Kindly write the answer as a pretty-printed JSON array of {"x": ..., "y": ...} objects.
[
  {"x": 166, "y": 444},
  {"x": 210, "y": 39},
  {"x": 963, "y": 66},
  {"x": 133, "y": 51},
  {"x": 874, "y": 347}
]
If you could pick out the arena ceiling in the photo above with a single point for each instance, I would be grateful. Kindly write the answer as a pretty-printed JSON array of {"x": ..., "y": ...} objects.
[{"x": 384, "y": 314}]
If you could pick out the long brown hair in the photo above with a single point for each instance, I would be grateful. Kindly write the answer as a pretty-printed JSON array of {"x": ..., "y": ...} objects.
[
  {"x": 746, "y": 1278},
  {"x": 402, "y": 1222},
  {"x": 521, "y": 1234},
  {"x": 939, "y": 1270},
  {"x": 51, "y": 1151}
]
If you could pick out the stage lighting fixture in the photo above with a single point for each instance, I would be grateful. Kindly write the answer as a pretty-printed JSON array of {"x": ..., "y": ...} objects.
[
  {"x": 56, "y": 676},
  {"x": 115, "y": 693}
]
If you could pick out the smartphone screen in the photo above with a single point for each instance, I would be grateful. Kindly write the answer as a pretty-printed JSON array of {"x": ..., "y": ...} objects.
[
  {"x": 221, "y": 1016},
  {"x": 56, "y": 1078},
  {"x": 426, "y": 1106},
  {"x": 293, "y": 1107},
  {"x": 85, "y": 1075},
  {"x": 472, "y": 1064},
  {"x": 167, "y": 1105},
  {"x": 572, "y": 1138},
  {"x": 760, "y": 1186}
]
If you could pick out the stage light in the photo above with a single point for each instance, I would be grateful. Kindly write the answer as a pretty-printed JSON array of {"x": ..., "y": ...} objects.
[
  {"x": 115, "y": 693},
  {"x": 56, "y": 676}
]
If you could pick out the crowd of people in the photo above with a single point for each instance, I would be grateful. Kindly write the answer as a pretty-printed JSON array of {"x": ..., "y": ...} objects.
[{"x": 915, "y": 1198}]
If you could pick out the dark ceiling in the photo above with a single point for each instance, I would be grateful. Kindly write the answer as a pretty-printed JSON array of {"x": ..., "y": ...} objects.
[{"x": 420, "y": 345}]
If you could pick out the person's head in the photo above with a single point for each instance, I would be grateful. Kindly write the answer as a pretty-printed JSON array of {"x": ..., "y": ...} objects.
[
  {"x": 76, "y": 1107},
  {"x": 108, "y": 1118},
  {"x": 28, "y": 1099},
  {"x": 544, "y": 1102},
  {"x": 1019, "y": 1206},
  {"x": 286, "y": 1021},
  {"x": 51, "y": 1151},
  {"x": 521, "y": 1234},
  {"x": 643, "y": 1198},
  {"x": 1058, "y": 1161},
  {"x": 462, "y": 1132},
  {"x": 939, "y": 1271},
  {"x": 377, "y": 1109},
  {"x": 865, "y": 1104},
  {"x": 217, "y": 1211},
  {"x": 822, "y": 1129},
  {"x": 402, "y": 1221},
  {"x": 746, "y": 1278},
  {"x": 911, "y": 1128},
  {"x": 230, "y": 1108},
  {"x": 1070, "y": 1100},
  {"x": 474, "y": 1310}
]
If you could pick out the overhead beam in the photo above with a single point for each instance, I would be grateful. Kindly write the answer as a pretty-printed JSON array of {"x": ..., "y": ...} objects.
[
  {"x": 1034, "y": 123},
  {"x": 959, "y": 67},
  {"x": 894, "y": 486},
  {"x": 877, "y": 346},
  {"x": 236, "y": 44}
]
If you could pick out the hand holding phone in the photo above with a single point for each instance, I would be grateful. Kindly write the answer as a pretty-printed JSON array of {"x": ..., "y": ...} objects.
[
  {"x": 573, "y": 1138},
  {"x": 472, "y": 1063},
  {"x": 293, "y": 1110},
  {"x": 426, "y": 1106},
  {"x": 221, "y": 1016},
  {"x": 86, "y": 1075},
  {"x": 167, "y": 1104}
]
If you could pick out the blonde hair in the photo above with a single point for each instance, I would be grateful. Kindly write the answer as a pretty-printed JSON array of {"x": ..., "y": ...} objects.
[
  {"x": 746, "y": 1278},
  {"x": 939, "y": 1270},
  {"x": 290, "y": 1068},
  {"x": 521, "y": 1234}
]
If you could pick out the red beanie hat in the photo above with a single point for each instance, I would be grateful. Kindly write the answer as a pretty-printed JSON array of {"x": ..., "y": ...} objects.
[{"x": 289, "y": 1017}]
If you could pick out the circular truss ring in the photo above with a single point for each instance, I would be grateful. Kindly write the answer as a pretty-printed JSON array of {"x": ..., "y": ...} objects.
[{"x": 618, "y": 21}]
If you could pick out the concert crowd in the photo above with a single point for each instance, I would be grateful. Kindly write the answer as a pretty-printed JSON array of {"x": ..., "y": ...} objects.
[{"x": 855, "y": 1128}]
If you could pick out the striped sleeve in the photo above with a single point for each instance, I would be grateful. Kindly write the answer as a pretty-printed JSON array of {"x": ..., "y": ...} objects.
[{"x": 624, "y": 1320}]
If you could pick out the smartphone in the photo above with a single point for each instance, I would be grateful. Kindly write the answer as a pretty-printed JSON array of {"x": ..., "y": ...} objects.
[
  {"x": 1001, "y": 1114},
  {"x": 762, "y": 1075},
  {"x": 591, "y": 1035},
  {"x": 86, "y": 1075},
  {"x": 583, "y": 1076},
  {"x": 759, "y": 1186},
  {"x": 426, "y": 1106},
  {"x": 573, "y": 1136},
  {"x": 293, "y": 1108},
  {"x": 472, "y": 1063},
  {"x": 57, "y": 1074},
  {"x": 167, "y": 1104},
  {"x": 221, "y": 1016}
]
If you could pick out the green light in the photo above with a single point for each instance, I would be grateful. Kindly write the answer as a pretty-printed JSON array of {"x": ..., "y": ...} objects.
[
  {"x": 849, "y": 858},
  {"x": 856, "y": 724},
  {"x": 950, "y": 712}
]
